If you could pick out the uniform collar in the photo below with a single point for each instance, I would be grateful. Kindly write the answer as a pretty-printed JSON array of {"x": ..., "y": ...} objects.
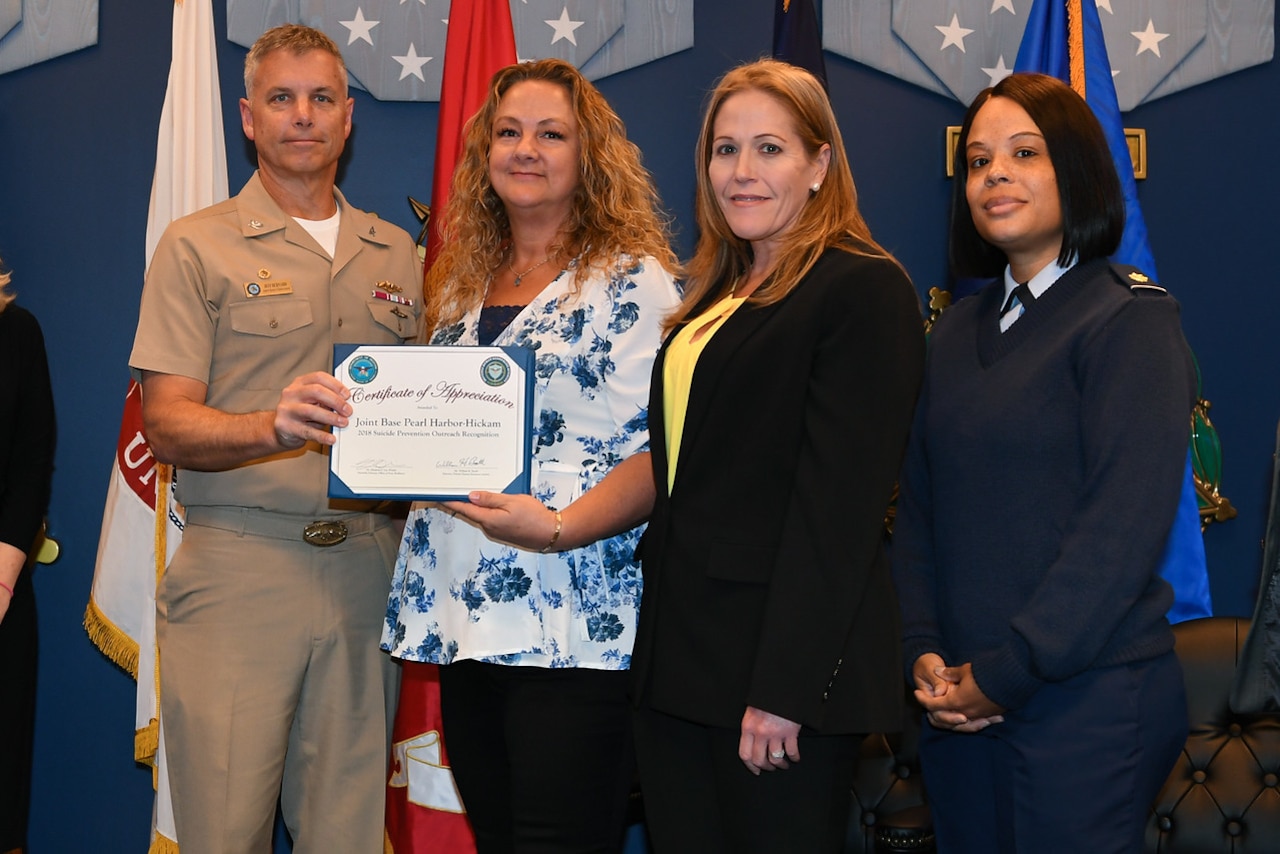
[
  {"x": 1039, "y": 283},
  {"x": 259, "y": 215}
]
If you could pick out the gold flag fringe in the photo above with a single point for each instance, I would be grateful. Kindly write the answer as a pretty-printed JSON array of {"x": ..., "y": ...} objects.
[
  {"x": 146, "y": 743},
  {"x": 162, "y": 845},
  {"x": 111, "y": 640},
  {"x": 149, "y": 736}
]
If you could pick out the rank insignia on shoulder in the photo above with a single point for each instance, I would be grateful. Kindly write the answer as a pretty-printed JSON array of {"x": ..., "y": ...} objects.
[{"x": 1137, "y": 280}]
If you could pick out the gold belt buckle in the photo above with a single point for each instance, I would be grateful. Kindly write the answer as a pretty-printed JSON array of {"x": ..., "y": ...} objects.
[{"x": 324, "y": 534}]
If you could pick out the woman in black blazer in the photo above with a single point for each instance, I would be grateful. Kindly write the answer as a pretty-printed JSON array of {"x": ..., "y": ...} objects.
[{"x": 780, "y": 406}]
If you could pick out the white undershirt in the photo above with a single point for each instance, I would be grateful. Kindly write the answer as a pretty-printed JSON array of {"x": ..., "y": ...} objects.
[{"x": 325, "y": 231}]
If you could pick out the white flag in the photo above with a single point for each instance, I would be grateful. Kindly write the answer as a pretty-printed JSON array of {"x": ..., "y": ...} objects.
[{"x": 141, "y": 524}]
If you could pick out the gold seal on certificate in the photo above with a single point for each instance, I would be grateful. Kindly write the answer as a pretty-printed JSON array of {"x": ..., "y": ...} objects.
[{"x": 433, "y": 422}]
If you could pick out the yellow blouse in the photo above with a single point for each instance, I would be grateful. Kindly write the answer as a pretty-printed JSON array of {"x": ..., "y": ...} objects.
[{"x": 677, "y": 373}]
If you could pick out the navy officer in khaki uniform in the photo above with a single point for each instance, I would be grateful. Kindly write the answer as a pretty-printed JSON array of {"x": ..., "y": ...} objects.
[{"x": 272, "y": 685}]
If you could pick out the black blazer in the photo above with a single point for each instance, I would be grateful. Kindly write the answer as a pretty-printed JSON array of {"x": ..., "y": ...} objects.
[{"x": 765, "y": 577}]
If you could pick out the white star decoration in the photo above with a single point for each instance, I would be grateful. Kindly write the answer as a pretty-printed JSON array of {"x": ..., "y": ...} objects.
[
  {"x": 564, "y": 27},
  {"x": 1003, "y": 4},
  {"x": 1105, "y": 4},
  {"x": 359, "y": 27},
  {"x": 420, "y": 2},
  {"x": 953, "y": 33},
  {"x": 1000, "y": 72},
  {"x": 1149, "y": 39},
  {"x": 411, "y": 63}
]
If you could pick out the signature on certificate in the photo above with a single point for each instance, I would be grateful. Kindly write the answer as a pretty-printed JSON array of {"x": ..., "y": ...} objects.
[
  {"x": 374, "y": 465},
  {"x": 470, "y": 463}
]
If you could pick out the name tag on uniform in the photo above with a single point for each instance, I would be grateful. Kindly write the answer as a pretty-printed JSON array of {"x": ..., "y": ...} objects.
[{"x": 268, "y": 289}]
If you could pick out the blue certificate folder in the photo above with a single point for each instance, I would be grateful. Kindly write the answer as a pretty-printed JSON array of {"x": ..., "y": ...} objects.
[{"x": 433, "y": 423}]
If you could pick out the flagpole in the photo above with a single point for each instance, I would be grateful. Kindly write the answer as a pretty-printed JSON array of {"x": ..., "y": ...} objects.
[{"x": 1075, "y": 46}]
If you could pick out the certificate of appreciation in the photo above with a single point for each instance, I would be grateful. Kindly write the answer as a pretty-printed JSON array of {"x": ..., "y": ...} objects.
[{"x": 433, "y": 422}]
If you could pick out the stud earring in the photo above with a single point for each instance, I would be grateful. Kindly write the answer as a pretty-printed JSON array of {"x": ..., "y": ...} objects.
[{"x": 815, "y": 188}]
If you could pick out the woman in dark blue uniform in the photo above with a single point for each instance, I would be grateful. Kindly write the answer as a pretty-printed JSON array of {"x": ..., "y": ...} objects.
[{"x": 1043, "y": 475}]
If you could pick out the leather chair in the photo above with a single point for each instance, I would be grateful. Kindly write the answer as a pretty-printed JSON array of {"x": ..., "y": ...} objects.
[
  {"x": 889, "y": 814},
  {"x": 1223, "y": 794}
]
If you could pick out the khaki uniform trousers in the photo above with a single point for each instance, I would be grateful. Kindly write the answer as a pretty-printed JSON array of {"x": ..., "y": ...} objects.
[{"x": 272, "y": 684}]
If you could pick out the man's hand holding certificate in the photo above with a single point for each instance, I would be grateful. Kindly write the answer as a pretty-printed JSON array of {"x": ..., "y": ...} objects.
[{"x": 433, "y": 422}]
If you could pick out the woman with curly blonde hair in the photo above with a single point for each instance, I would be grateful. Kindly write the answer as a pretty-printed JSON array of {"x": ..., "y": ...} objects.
[
  {"x": 612, "y": 212},
  {"x": 555, "y": 241}
]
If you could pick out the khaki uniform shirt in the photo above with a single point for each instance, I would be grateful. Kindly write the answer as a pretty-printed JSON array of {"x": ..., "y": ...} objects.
[{"x": 240, "y": 297}]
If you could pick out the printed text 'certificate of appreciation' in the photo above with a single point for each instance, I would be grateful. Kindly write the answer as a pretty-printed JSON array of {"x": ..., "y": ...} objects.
[{"x": 433, "y": 422}]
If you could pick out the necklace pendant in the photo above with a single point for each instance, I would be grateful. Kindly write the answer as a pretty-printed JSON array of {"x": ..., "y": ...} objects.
[{"x": 518, "y": 276}]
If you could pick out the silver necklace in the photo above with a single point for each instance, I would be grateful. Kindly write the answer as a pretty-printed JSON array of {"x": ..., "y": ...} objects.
[{"x": 520, "y": 276}]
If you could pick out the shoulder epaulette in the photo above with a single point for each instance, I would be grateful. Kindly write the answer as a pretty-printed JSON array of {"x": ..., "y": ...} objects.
[{"x": 1138, "y": 281}]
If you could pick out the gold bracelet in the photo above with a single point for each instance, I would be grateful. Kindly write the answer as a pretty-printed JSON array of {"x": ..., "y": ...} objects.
[{"x": 556, "y": 534}]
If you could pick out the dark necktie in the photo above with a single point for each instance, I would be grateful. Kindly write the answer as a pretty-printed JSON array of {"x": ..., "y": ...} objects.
[{"x": 1019, "y": 298}]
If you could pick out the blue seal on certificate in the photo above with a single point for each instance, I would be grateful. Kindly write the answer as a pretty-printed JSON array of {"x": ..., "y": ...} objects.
[
  {"x": 495, "y": 371},
  {"x": 363, "y": 369}
]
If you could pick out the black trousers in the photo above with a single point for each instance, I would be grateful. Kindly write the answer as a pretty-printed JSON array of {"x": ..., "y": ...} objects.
[
  {"x": 17, "y": 712},
  {"x": 543, "y": 758},
  {"x": 698, "y": 795}
]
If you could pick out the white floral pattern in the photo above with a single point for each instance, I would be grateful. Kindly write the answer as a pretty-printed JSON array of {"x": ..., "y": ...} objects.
[{"x": 457, "y": 594}]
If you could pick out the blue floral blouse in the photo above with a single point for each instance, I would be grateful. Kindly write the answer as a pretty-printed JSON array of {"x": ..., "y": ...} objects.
[{"x": 458, "y": 595}]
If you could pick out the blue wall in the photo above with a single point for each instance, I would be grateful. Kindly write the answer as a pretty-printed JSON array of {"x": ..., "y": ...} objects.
[{"x": 77, "y": 148}]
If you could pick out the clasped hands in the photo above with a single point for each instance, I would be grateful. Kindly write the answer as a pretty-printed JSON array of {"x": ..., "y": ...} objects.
[{"x": 950, "y": 696}]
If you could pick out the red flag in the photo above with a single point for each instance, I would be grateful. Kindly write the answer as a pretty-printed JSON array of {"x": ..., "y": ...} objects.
[
  {"x": 480, "y": 41},
  {"x": 423, "y": 813}
]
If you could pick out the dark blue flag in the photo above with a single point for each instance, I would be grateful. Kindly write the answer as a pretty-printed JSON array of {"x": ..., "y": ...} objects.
[{"x": 797, "y": 38}]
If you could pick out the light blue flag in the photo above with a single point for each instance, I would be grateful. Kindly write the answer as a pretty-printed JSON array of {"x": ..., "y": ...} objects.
[{"x": 1045, "y": 48}]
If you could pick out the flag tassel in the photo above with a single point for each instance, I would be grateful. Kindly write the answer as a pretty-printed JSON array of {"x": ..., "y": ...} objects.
[{"x": 111, "y": 640}]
